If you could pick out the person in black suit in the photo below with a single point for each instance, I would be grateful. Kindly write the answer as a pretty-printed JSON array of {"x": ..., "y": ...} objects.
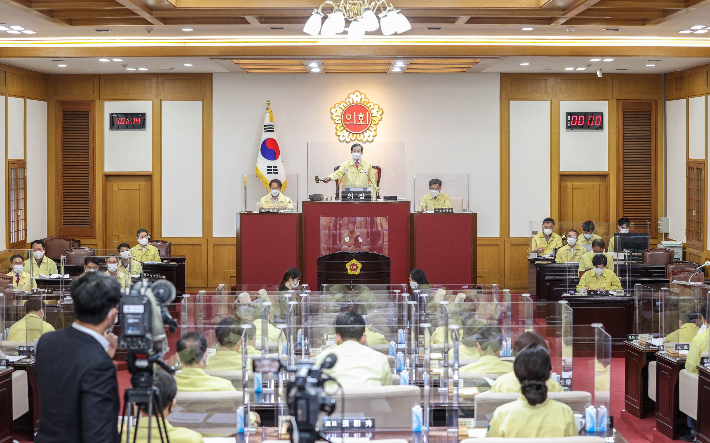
[{"x": 76, "y": 378}]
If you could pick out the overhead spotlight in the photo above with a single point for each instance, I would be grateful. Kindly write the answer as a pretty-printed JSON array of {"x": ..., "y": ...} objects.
[
  {"x": 142, "y": 69},
  {"x": 130, "y": 69},
  {"x": 104, "y": 60},
  {"x": 525, "y": 64},
  {"x": 17, "y": 28},
  {"x": 62, "y": 66},
  {"x": 608, "y": 60},
  {"x": 526, "y": 29},
  {"x": 117, "y": 59},
  {"x": 599, "y": 73},
  {"x": 187, "y": 29},
  {"x": 315, "y": 70},
  {"x": 650, "y": 66},
  {"x": 697, "y": 27},
  {"x": 189, "y": 65},
  {"x": 595, "y": 59},
  {"x": 569, "y": 69},
  {"x": 27, "y": 31}
]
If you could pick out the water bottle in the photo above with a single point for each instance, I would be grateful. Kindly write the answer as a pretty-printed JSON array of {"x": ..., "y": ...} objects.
[
  {"x": 300, "y": 333},
  {"x": 591, "y": 419},
  {"x": 257, "y": 381},
  {"x": 417, "y": 418},
  {"x": 400, "y": 361},
  {"x": 240, "y": 420},
  {"x": 601, "y": 420},
  {"x": 393, "y": 349},
  {"x": 404, "y": 377},
  {"x": 400, "y": 336}
]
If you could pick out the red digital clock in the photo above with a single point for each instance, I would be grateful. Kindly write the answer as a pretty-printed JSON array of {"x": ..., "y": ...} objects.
[
  {"x": 127, "y": 121},
  {"x": 585, "y": 120}
]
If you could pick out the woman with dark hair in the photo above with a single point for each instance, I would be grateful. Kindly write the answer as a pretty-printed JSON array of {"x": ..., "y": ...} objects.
[
  {"x": 417, "y": 278},
  {"x": 533, "y": 415},
  {"x": 290, "y": 281},
  {"x": 509, "y": 382}
]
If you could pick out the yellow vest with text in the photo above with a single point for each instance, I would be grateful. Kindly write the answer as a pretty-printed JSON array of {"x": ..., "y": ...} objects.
[
  {"x": 48, "y": 267},
  {"x": 586, "y": 262},
  {"x": 607, "y": 281},
  {"x": 361, "y": 177},
  {"x": 429, "y": 203},
  {"x": 283, "y": 202},
  {"x": 568, "y": 254},
  {"x": 539, "y": 241},
  {"x": 151, "y": 253}
]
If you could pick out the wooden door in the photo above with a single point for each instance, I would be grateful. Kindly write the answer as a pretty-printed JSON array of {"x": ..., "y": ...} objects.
[
  {"x": 128, "y": 208},
  {"x": 17, "y": 199},
  {"x": 584, "y": 197}
]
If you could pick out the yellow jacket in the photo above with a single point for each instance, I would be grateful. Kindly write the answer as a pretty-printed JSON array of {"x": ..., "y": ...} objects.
[
  {"x": 136, "y": 267},
  {"x": 28, "y": 329},
  {"x": 685, "y": 334},
  {"x": 375, "y": 338},
  {"x": 48, "y": 267},
  {"x": 608, "y": 281},
  {"x": 539, "y": 241},
  {"x": 123, "y": 278},
  {"x": 488, "y": 364},
  {"x": 273, "y": 333},
  {"x": 611, "y": 244},
  {"x": 586, "y": 262},
  {"x": 520, "y": 420},
  {"x": 24, "y": 283},
  {"x": 428, "y": 203},
  {"x": 175, "y": 435},
  {"x": 196, "y": 380},
  {"x": 510, "y": 383},
  {"x": 149, "y": 254},
  {"x": 229, "y": 360},
  {"x": 355, "y": 177},
  {"x": 584, "y": 242},
  {"x": 358, "y": 365},
  {"x": 437, "y": 337},
  {"x": 282, "y": 202},
  {"x": 699, "y": 345},
  {"x": 567, "y": 254},
  {"x": 465, "y": 352}
]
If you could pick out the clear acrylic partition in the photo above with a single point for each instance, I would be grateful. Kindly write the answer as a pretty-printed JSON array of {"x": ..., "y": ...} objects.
[
  {"x": 705, "y": 311},
  {"x": 602, "y": 378},
  {"x": 647, "y": 312},
  {"x": 6, "y": 265},
  {"x": 324, "y": 158},
  {"x": 456, "y": 186},
  {"x": 397, "y": 289},
  {"x": 254, "y": 190},
  {"x": 354, "y": 234},
  {"x": 681, "y": 304}
]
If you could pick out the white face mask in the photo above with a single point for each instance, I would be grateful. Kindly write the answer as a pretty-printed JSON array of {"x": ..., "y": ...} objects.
[
  {"x": 143, "y": 241},
  {"x": 275, "y": 192},
  {"x": 18, "y": 268},
  {"x": 126, "y": 255},
  {"x": 599, "y": 271},
  {"x": 413, "y": 284},
  {"x": 90, "y": 270},
  {"x": 112, "y": 267},
  {"x": 547, "y": 231},
  {"x": 433, "y": 192},
  {"x": 357, "y": 155},
  {"x": 587, "y": 236},
  {"x": 38, "y": 254},
  {"x": 571, "y": 241},
  {"x": 623, "y": 230},
  {"x": 115, "y": 322},
  {"x": 295, "y": 284}
]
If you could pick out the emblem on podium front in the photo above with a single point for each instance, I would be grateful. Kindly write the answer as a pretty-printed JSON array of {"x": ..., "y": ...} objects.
[
  {"x": 354, "y": 267},
  {"x": 356, "y": 118}
]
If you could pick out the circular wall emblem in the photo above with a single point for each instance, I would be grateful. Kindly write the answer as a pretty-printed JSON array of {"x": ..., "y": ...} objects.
[{"x": 356, "y": 118}]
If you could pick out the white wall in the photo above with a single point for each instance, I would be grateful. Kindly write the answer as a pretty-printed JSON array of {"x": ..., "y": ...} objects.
[
  {"x": 696, "y": 131},
  {"x": 3, "y": 213},
  {"x": 676, "y": 167},
  {"x": 36, "y": 169},
  {"x": 529, "y": 164},
  {"x": 448, "y": 122},
  {"x": 128, "y": 151},
  {"x": 584, "y": 150},
  {"x": 182, "y": 168},
  {"x": 16, "y": 128}
]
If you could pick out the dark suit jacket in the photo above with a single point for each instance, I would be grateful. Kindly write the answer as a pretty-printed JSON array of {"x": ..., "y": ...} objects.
[{"x": 78, "y": 389}]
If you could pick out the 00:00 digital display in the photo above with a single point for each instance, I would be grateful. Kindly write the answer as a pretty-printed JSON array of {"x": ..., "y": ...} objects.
[{"x": 585, "y": 120}]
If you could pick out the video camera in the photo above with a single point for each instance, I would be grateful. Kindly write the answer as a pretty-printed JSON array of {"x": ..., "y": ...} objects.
[{"x": 305, "y": 394}]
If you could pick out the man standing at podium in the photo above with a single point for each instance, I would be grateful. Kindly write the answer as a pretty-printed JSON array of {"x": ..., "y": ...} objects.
[{"x": 356, "y": 172}]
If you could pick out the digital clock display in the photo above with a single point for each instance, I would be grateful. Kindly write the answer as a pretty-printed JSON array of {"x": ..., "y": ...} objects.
[
  {"x": 127, "y": 122},
  {"x": 585, "y": 120}
]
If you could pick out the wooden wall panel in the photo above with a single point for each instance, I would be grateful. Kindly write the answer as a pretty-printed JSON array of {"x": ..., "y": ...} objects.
[
  {"x": 3, "y": 82},
  {"x": 182, "y": 86},
  {"x": 697, "y": 83},
  {"x": 638, "y": 87},
  {"x": 223, "y": 265},
  {"x": 15, "y": 83},
  {"x": 195, "y": 251},
  {"x": 74, "y": 87},
  {"x": 583, "y": 87},
  {"x": 527, "y": 87},
  {"x": 129, "y": 87},
  {"x": 516, "y": 263},
  {"x": 490, "y": 259}
]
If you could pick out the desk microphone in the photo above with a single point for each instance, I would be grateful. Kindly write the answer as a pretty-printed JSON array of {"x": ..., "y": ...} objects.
[{"x": 698, "y": 269}]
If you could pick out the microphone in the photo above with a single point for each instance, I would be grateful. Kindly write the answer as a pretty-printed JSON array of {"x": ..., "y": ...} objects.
[
  {"x": 698, "y": 269},
  {"x": 329, "y": 361}
]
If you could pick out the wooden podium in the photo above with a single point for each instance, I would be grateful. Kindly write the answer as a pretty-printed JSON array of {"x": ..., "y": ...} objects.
[{"x": 338, "y": 268}]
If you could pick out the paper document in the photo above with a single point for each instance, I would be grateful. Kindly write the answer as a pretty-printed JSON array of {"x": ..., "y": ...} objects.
[{"x": 490, "y": 381}]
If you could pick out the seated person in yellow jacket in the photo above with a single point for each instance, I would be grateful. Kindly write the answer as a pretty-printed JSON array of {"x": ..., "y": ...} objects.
[
  {"x": 112, "y": 270},
  {"x": 30, "y": 327},
  {"x": 597, "y": 248},
  {"x": 167, "y": 388},
  {"x": 599, "y": 278},
  {"x": 509, "y": 382},
  {"x": 38, "y": 264},
  {"x": 688, "y": 330},
  {"x": 357, "y": 364},
  {"x": 489, "y": 341},
  {"x": 356, "y": 172},
  {"x": 468, "y": 346},
  {"x": 192, "y": 352},
  {"x": 588, "y": 235},
  {"x": 571, "y": 252},
  {"x": 128, "y": 264},
  {"x": 699, "y": 345},
  {"x": 250, "y": 312},
  {"x": 21, "y": 280},
  {"x": 143, "y": 252},
  {"x": 91, "y": 264},
  {"x": 229, "y": 338},
  {"x": 546, "y": 241},
  {"x": 435, "y": 198},
  {"x": 533, "y": 415},
  {"x": 623, "y": 225},
  {"x": 275, "y": 199}
]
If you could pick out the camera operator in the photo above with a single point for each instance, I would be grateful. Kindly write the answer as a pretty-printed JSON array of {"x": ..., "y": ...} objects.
[
  {"x": 168, "y": 389},
  {"x": 357, "y": 365},
  {"x": 76, "y": 379}
]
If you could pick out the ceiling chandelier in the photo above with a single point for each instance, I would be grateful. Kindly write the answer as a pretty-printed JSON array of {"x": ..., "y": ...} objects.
[{"x": 362, "y": 16}]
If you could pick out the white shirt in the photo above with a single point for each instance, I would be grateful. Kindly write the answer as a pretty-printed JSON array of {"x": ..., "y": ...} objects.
[{"x": 99, "y": 338}]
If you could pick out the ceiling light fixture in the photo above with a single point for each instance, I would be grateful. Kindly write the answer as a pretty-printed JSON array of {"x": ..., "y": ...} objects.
[
  {"x": 130, "y": 69},
  {"x": 187, "y": 29},
  {"x": 315, "y": 70},
  {"x": 525, "y": 64},
  {"x": 3, "y": 28},
  {"x": 581, "y": 69},
  {"x": 102, "y": 30},
  {"x": 701, "y": 31},
  {"x": 62, "y": 66},
  {"x": 697, "y": 27},
  {"x": 142, "y": 69},
  {"x": 396, "y": 69},
  {"x": 434, "y": 28},
  {"x": 569, "y": 69},
  {"x": 361, "y": 13},
  {"x": 650, "y": 66},
  {"x": 189, "y": 65},
  {"x": 17, "y": 28},
  {"x": 399, "y": 63},
  {"x": 13, "y": 32},
  {"x": 608, "y": 60},
  {"x": 27, "y": 31},
  {"x": 526, "y": 29},
  {"x": 104, "y": 60},
  {"x": 117, "y": 59},
  {"x": 595, "y": 59},
  {"x": 612, "y": 29},
  {"x": 685, "y": 31}
]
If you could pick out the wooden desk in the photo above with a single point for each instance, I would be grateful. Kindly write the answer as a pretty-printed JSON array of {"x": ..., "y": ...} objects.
[
  {"x": 636, "y": 372},
  {"x": 30, "y": 420},
  {"x": 703, "y": 404},
  {"x": 669, "y": 419},
  {"x": 615, "y": 313},
  {"x": 6, "y": 427}
]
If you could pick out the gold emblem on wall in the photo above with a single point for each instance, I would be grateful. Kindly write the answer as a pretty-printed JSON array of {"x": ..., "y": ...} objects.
[
  {"x": 356, "y": 118},
  {"x": 354, "y": 267}
]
